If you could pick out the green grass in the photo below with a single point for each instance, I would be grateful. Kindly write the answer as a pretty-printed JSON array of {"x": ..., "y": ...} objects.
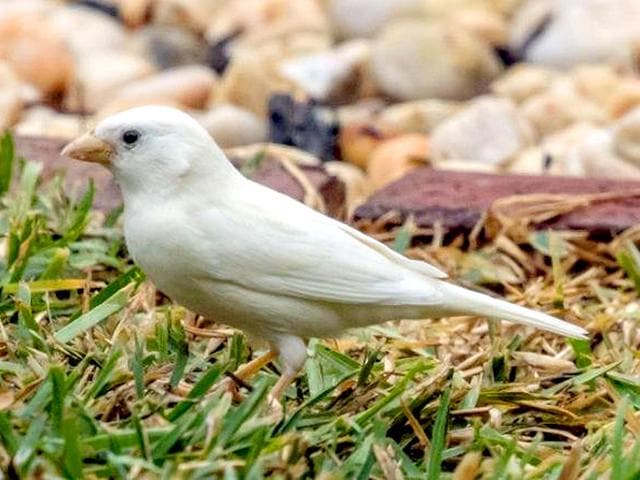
[{"x": 103, "y": 377}]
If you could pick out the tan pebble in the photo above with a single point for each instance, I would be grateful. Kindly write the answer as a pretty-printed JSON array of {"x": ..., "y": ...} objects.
[
  {"x": 364, "y": 111},
  {"x": 626, "y": 137},
  {"x": 233, "y": 126},
  {"x": 489, "y": 130},
  {"x": 98, "y": 32},
  {"x": 559, "y": 106},
  {"x": 46, "y": 122},
  {"x": 485, "y": 25},
  {"x": 358, "y": 141},
  {"x": 265, "y": 21},
  {"x": 523, "y": 81},
  {"x": 420, "y": 116},
  {"x": 135, "y": 13},
  {"x": 188, "y": 86},
  {"x": 250, "y": 80},
  {"x": 553, "y": 156},
  {"x": 10, "y": 97},
  {"x": 416, "y": 59},
  {"x": 100, "y": 76},
  {"x": 37, "y": 54},
  {"x": 194, "y": 15},
  {"x": 393, "y": 158}
]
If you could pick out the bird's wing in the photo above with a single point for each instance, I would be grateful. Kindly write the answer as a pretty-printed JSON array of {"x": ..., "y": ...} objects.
[{"x": 284, "y": 248}]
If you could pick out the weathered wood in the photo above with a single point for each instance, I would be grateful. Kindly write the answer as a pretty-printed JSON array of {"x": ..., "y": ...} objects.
[
  {"x": 457, "y": 200},
  {"x": 269, "y": 172}
]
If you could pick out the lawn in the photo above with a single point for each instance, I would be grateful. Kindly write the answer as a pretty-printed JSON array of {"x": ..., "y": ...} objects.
[{"x": 103, "y": 376}]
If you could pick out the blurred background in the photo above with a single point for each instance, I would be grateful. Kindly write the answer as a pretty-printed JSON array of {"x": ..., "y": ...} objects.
[{"x": 376, "y": 87}]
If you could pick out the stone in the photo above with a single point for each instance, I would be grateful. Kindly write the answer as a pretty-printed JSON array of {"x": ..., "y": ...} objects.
[
  {"x": 626, "y": 137},
  {"x": 11, "y": 103},
  {"x": 303, "y": 124},
  {"x": 358, "y": 141},
  {"x": 420, "y": 116},
  {"x": 523, "y": 81},
  {"x": 393, "y": 158},
  {"x": 299, "y": 25},
  {"x": 554, "y": 155},
  {"x": 135, "y": 13},
  {"x": 357, "y": 188},
  {"x": 489, "y": 130},
  {"x": 100, "y": 76},
  {"x": 233, "y": 126},
  {"x": 415, "y": 59},
  {"x": 364, "y": 18},
  {"x": 336, "y": 76},
  {"x": 36, "y": 53},
  {"x": 40, "y": 121},
  {"x": 169, "y": 46},
  {"x": 457, "y": 201},
  {"x": 194, "y": 15},
  {"x": 99, "y": 32},
  {"x": 250, "y": 80},
  {"x": 560, "y": 106},
  {"x": 189, "y": 86},
  {"x": 565, "y": 33},
  {"x": 597, "y": 156},
  {"x": 364, "y": 111}
]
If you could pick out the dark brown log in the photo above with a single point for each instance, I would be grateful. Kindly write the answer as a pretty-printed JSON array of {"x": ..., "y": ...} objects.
[
  {"x": 77, "y": 174},
  {"x": 457, "y": 200}
]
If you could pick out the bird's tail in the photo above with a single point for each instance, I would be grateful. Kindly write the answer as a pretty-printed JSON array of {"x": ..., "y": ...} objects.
[{"x": 462, "y": 301}]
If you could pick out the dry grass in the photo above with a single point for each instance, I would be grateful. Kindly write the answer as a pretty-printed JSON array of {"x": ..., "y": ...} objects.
[{"x": 101, "y": 376}]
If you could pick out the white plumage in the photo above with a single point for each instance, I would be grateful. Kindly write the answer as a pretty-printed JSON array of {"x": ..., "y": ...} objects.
[{"x": 250, "y": 257}]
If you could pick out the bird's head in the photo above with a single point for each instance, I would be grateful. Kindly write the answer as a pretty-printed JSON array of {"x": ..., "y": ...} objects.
[{"x": 152, "y": 149}]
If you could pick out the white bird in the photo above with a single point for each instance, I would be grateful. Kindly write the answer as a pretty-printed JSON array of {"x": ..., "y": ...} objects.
[{"x": 250, "y": 257}]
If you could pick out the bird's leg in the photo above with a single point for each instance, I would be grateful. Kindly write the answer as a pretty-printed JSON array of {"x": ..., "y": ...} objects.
[
  {"x": 254, "y": 366},
  {"x": 293, "y": 353}
]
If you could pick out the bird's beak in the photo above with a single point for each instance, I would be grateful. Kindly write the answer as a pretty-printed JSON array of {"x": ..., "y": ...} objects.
[{"x": 89, "y": 148}]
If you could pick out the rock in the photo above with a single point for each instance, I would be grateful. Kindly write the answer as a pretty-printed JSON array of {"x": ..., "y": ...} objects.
[
  {"x": 233, "y": 126},
  {"x": 335, "y": 76},
  {"x": 10, "y": 97},
  {"x": 36, "y": 53},
  {"x": 299, "y": 25},
  {"x": 626, "y": 137},
  {"x": 597, "y": 156},
  {"x": 420, "y": 116},
  {"x": 305, "y": 125},
  {"x": 364, "y": 18},
  {"x": 553, "y": 156},
  {"x": 457, "y": 201},
  {"x": 613, "y": 91},
  {"x": 135, "y": 13},
  {"x": 358, "y": 141},
  {"x": 564, "y": 33},
  {"x": 251, "y": 80},
  {"x": 363, "y": 112},
  {"x": 393, "y": 158},
  {"x": 560, "y": 106},
  {"x": 41, "y": 121},
  {"x": 169, "y": 46},
  {"x": 415, "y": 59},
  {"x": 99, "y": 32},
  {"x": 194, "y": 15},
  {"x": 523, "y": 81},
  {"x": 99, "y": 76},
  {"x": 188, "y": 86},
  {"x": 489, "y": 130}
]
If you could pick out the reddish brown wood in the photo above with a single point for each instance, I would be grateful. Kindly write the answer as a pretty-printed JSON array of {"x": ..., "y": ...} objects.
[{"x": 458, "y": 199}]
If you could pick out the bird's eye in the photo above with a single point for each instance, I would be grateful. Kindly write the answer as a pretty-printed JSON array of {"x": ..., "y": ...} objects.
[{"x": 130, "y": 137}]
